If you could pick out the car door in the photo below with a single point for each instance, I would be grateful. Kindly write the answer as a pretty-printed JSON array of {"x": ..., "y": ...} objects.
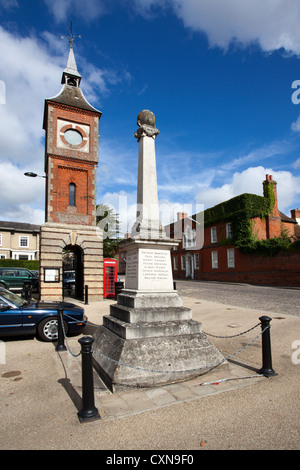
[
  {"x": 8, "y": 278},
  {"x": 10, "y": 319},
  {"x": 22, "y": 275}
]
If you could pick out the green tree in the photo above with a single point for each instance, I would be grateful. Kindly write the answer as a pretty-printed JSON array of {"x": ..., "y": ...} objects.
[{"x": 107, "y": 220}]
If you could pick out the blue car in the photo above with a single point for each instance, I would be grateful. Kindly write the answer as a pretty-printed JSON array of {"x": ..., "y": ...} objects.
[{"x": 19, "y": 317}]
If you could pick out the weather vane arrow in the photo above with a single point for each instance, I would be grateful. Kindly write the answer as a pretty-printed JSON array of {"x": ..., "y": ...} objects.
[{"x": 71, "y": 38}]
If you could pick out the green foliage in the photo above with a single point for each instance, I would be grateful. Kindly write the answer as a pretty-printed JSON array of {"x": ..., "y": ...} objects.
[
  {"x": 240, "y": 211},
  {"x": 243, "y": 206},
  {"x": 269, "y": 193},
  {"x": 20, "y": 263},
  {"x": 107, "y": 220}
]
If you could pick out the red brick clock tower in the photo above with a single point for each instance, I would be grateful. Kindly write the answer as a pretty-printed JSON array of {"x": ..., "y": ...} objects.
[{"x": 71, "y": 157}]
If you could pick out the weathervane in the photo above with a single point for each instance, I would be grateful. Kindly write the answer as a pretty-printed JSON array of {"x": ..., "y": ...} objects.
[{"x": 71, "y": 38}]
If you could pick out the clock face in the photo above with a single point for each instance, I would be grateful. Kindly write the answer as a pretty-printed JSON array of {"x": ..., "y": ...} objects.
[{"x": 73, "y": 136}]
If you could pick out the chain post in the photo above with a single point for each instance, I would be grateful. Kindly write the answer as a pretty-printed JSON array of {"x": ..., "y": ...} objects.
[
  {"x": 89, "y": 411},
  {"x": 266, "y": 369},
  {"x": 60, "y": 340}
]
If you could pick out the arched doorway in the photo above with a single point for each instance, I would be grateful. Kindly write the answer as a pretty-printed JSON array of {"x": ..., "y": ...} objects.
[{"x": 73, "y": 272}]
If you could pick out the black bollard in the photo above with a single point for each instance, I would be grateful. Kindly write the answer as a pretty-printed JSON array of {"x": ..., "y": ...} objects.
[
  {"x": 86, "y": 294},
  {"x": 119, "y": 285},
  {"x": 27, "y": 290},
  {"x": 266, "y": 369},
  {"x": 60, "y": 339},
  {"x": 88, "y": 411}
]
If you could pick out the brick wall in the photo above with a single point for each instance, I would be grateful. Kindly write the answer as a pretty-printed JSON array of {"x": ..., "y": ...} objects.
[
  {"x": 63, "y": 173},
  {"x": 65, "y": 165},
  {"x": 281, "y": 270}
]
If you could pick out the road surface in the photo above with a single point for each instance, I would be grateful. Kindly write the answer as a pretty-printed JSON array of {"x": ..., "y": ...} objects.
[{"x": 269, "y": 299}]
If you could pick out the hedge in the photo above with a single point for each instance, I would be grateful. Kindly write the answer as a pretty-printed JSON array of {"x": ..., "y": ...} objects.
[{"x": 20, "y": 263}]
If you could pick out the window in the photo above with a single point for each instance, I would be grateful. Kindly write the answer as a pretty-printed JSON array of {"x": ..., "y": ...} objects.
[
  {"x": 213, "y": 234},
  {"x": 189, "y": 238},
  {"x": 196, "y": 260},
  {"x": 183, "y": 262},
  {"x": 23, "y": 241},
  {"x": 175, "y": 264},
  {"x": 72, "y": 191},
  {"x": 228, "y": 230},
  {"x": 214, "y": 260},
  {"x": 230, "y": 258}
]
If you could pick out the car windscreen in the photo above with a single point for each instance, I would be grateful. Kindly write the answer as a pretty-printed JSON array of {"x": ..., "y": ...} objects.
[{"x": 14, "y": 298}]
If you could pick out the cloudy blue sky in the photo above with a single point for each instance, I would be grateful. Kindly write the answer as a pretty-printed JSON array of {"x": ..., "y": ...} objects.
[{"x": 221, "y": 76}]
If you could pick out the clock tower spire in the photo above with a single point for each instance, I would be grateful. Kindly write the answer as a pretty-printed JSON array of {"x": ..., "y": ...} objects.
[
  {"x": 70, "y": 75},
  {"x": 71, "y": 124}
]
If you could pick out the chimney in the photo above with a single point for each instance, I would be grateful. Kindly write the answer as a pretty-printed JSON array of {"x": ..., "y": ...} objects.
[
  {"x": 295, "y": 214},
  {"x": 270, "y": 192},
  {"x": 181, "y": 215}
]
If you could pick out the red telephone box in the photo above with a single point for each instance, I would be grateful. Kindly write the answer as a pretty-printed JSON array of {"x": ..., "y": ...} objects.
[{"x": 109, "y": 277}]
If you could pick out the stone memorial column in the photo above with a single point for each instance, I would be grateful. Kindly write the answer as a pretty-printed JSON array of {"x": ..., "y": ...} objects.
[{"x": 149, "y": 338}]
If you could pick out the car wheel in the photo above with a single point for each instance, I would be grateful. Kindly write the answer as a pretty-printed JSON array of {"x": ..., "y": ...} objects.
[{"x": 48, "y": 329}]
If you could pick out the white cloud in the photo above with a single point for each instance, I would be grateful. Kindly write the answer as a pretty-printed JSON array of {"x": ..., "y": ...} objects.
[
  {"x": 296, "y": 164},
  {"x": 62, "y": 9},
  {"x": 30, "y": 72},
  {"x": 8, "y": 4},
  {"x": 250, "y": 181},
  {"x": 20, "y": 197},
  {"x": 124, "y": 205},
  {"x": 273, "y": 24},
  {"x": 29, "y": 75},
  {"x": 296, "y": 125},
  {"x": 271, "y": 150}
]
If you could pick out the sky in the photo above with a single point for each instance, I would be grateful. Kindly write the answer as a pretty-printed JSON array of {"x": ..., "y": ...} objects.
[{"x": 221, "y": 76}]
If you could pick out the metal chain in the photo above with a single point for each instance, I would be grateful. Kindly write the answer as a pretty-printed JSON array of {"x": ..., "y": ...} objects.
[
  {"x": 65, "y": 336},
  {"x": 233, "y": 336},
  {"x": 181, "y": 371}
]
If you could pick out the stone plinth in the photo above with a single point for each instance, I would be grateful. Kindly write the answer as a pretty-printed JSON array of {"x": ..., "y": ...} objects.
[
  {"x": 148, "y": 361},
  {"x": 149, "y": 338}
]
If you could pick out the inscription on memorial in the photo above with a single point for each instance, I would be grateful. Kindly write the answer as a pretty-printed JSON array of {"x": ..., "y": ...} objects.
[
  {"x": 154, "y": 265},
  {"x": 148, "y": 268},
  {"x": 131, "y": 265}
]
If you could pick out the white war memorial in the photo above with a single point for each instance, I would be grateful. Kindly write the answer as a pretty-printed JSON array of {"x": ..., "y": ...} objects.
[{"x": 149, "y": 338}]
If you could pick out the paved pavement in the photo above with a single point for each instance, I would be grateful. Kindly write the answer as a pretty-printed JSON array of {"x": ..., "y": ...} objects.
[{"x": 235, "y": 408}]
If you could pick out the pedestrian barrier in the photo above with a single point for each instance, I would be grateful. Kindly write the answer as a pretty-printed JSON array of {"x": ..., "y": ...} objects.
[{"x": 89, "y": 411}]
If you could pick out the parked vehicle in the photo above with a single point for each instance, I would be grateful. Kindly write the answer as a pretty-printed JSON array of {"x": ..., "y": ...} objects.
[
  {"x": 35, "y": 272},
  {"x": 69, "y": 281},
  {"x": 19, "y": 317},
  {"x": 14, "y": 278}
]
